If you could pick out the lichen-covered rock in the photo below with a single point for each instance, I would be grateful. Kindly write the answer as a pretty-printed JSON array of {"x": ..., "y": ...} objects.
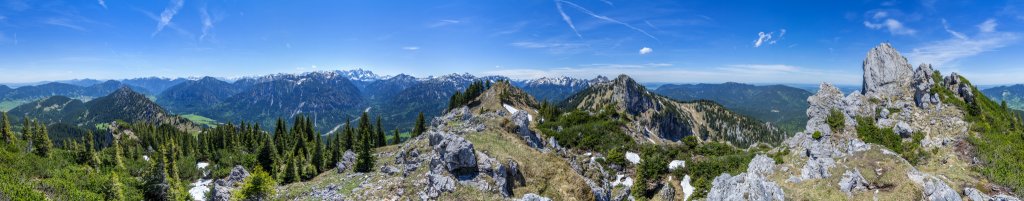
[
  {"x": 534, "y": 197},
  {"x": 934, "y": 188},
  {"x": 346, "y": 161},
  {"x": 456, "y": 153},
  {"x": 437, "y": 184},
  {"x": 852, "y": 181},
  {"x": 522, "y": 121},
  {"x": 752, "y": 185},
  {"x": 667, "y": 192},
  {"x": 977, "y": 195},
  {"x": 886, "y": 73},
  {"x": 817, "y": 168},
  {"x": 903, "y": 129},
  {"x": 922, "y": 84},
  {"x": 388, "y": 170},
  {"x": 237, "y": 175}
]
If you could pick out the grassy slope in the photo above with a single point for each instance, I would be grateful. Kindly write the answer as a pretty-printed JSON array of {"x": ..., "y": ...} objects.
[{"x": 200, "y": 120}]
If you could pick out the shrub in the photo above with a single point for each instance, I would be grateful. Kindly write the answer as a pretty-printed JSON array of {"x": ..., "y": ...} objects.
[
  {"x": 816, "y": 135},
  {"x": 258, "y": 186},
  {"x": 836, "y": 120}
]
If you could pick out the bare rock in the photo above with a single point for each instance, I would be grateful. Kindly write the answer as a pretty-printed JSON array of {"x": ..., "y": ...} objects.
[
  {"x": 456, "y": 153},
  {"x": 752, "y": 185},
  {"x": 817, "y": 168},
  {"x": 667, "y": 192},
  {"x": 534, "y": 197},
  {"x": 237, "y": 175},
  {"x": 346, "y": 161},
  {"x": 437, "y": 184},
  {"x": 852, "y": 181},
  {"x": 923, "y": 83},
  {"x": 977, "y": 195},
  {"x": 903, "y": 129},
  {"x": 522, "y": 121},
  {"x": 886, "y": 72}
]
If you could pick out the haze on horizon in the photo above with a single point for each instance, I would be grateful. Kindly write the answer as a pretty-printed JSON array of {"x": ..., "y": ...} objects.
[{"x": 652, "y": 41}]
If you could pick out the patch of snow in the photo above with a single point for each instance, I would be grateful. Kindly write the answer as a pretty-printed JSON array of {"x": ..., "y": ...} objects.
[
  {"x": 622, "y": 180},
  {"x": 594, "y": 159},
  {"x": 202, "y": 165},
  {"x": 367, "y": 109},
  {"x": 633, "y": 157},
  {"x": 513, "y": 110},
  {"x": 199, "y": 189},
  {"x": 145, "y": 157},
  {"x": 687, "y": 188},
  {"x": 676, "y": 164},
  {"x": 588, "y": 154}
]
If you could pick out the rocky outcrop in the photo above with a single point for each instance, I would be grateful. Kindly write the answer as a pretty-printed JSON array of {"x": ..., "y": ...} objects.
[
  {"x": 437, "y": 183},
  {"x": 455, "y": 153},
  {"x": 934, "y": 188},
  {"x": 752, "y": 185},
  {"x": 922, "y": 83},
  {"x": 957, "y": 85},
  {"x": 817, "y": 168},
  {"x": 346, "y": 161},
  {"x": 237, "y": 175},
  {"x": 886, "y": 73},
  {"x": 522, "y": 121},
  {"x": 977, "y": 195},
  {"x": 852, "y": 181},
  {"x": 667, "y": 192},
  {"x": 534, "y": 197}
]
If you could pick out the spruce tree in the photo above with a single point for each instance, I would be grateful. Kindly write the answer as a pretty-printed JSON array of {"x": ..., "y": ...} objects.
[
  {"x": 318, "y": 155},
  {"x": 26, "y": 132},
  {"x": 348, "y": 135},
  {"x": 42, "y": 141},
  {"x": 336, "y": 149},
  {"x": 87, "y": 154},
  {"x": 115, "y": 191},
  {"x": 381, "y": 139},
  {"x": 118, "y": 154},
  {"x": 420, "y": 126},
  {"x": 397, "y": 137},
  {"x": 291, "y": 173},
  {"x": 364, "y": 158},
  {"x": 279, "y": 136},
  {"x": 268, "y": 157},
  {"x": 258, "y": 186},
  {"x": 5, "y": 129}
]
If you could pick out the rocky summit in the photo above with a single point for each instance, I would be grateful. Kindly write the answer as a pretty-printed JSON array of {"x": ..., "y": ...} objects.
[{"x": 886, "y": 72}]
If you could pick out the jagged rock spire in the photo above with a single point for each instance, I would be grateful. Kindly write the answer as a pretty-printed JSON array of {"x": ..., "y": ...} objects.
[{"x": 886, "y": 73}]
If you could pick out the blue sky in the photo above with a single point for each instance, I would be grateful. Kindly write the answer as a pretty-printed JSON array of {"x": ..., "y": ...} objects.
[{"x": 653, "y": 41}]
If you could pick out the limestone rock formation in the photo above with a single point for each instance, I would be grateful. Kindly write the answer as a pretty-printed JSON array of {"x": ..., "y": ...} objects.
[
  {"x": 852, "y": 181},
  {"x": 456, "y": 153},
  {"x": 752, "y": 185},
  {"x": 886, "y": 72},
  {"x": 522, "y": 121}
]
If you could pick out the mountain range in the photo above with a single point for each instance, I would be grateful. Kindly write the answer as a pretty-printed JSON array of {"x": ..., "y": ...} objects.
[{"x": 781, "y": 105}]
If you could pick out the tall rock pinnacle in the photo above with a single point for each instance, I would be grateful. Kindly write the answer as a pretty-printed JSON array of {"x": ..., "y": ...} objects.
[{"x": 886, "y": 73}]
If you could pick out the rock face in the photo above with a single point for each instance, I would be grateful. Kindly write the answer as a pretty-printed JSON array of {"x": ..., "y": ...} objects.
[
  {"x": 934, "y": 188},
  {"x": 436, "y": 184},
  {"x": 456, "y": 153},
  {"x": 346, "y": 161},
  {"x": 752, "y": 185},
  {"x": 667, "y": 192},
  {"x": 976, "y": 195},
  {"x": 534, "y": 197},
  {"x": 923, "y": 83},
  {"x": 236, "y": 176},
  {"x": 522, "y": 121},
  {"x": 852, "y": 181},
  {"x": 886, "y": 72}
]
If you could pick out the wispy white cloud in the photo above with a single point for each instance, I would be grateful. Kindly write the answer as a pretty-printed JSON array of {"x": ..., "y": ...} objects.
[
  {"x": 608, "y": 2},
  {"x": 207, "y": 22},
  {"x": 988, "y": 26},
  {"x": 411, "y": 48},
  {"x": 940, "y": 53},
  {"x": 64, "y": 22},
  {"x": 894, "y": 27},
  {"x": 645, "y": 50},
  {"x": 768, "y": 38},
  {"x": 951, "y": 31},
  {"x": 665, "y": 72},
  {"x": 552, "y": 47},
  {"x": 595, "y": 15},
  {"x": 441, "y": 23},
  {"x": 567, "y": 19},
  {"x": 103, "y": 4},
  {"x": 167, "y": 15}
]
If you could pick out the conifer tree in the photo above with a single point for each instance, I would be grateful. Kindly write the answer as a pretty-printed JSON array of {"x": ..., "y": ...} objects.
[
  {"x": 259, "y": 186},
  {"x": 381, "y": 140},
  {"x": 42, "y": 141},
  {"x": 115, "y": 191},
  {"x": 87, "y": 154},
  {"x": 318, "y": 155},
  {"x": 26, "y": 131},
  {"x": 348, "y": 135},
  {"x": 279, "y": 136},
  {"x": 268, "y": 157},
  {"x": 118, "y": 154},
  {"x": 420, "y": 126},
  {"x": 291, "y": 173},
  {"x": 5, "y": 129},
  {"x": 364, "y": 158},
  {"x": 336, "y": 149},
  {"x": 397, "y": 137}
]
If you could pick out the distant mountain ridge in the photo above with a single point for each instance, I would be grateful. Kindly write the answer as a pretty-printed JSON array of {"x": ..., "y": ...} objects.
[
  {"x": 658, "y": 118},
  {"x": 782, "y": 105},
  {"x": 1013, "y": 95}
]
